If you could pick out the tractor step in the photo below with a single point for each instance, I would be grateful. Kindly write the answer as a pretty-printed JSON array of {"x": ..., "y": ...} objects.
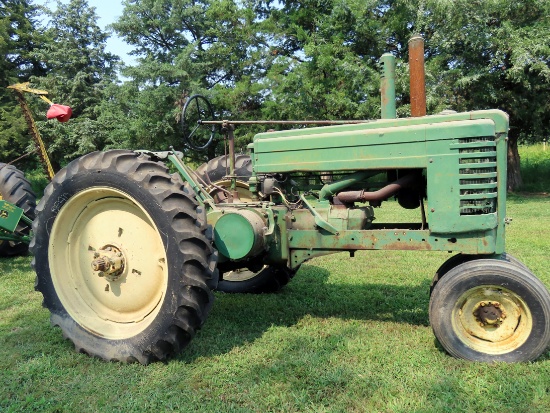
[{"x": 10, "y": 215}]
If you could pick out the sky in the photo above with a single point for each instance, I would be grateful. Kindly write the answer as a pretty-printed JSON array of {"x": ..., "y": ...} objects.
[{"x": 107, "y": 11}]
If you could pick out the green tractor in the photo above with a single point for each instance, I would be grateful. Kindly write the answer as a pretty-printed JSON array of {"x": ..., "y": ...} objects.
[{"x": 127, "y": 253}]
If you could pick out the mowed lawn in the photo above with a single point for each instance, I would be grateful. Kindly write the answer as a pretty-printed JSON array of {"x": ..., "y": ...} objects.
[{"x": 346, "y": 335}]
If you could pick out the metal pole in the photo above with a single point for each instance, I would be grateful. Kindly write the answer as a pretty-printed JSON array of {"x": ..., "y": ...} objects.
[
  {"x": 417, "y": 76},
  {"x": 281, "y": 122},
  {"x": 229, "y": 129},
  {"x": 42, "y": 154}
]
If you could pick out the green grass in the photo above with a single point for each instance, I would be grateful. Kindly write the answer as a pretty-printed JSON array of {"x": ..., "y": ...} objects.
[
  {"x": 346, "y": 335},
  {"x": 535, "y": 168}
]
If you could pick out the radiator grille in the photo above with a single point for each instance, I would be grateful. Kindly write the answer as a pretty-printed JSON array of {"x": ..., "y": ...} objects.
[{"x": 477, "y": 175}]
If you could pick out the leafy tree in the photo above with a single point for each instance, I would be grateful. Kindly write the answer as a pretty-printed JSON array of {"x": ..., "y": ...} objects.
[
  {"x": 495, "y": 54},
  {"x": 20, "y": 36},
  {"x": 79, "y": 72},
  {"x": 289, "y": 59},
  {"x": 326, "y": 66},
  {"x": 184, "y": 47}
]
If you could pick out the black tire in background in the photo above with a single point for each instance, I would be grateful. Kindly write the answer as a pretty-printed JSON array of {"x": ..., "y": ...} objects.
[
  {"x": 270, "y": 278},
  {"x": 17, "y": 190},
  {"x": 491, "y": 310},
  {"x": 215, "y": 169},
  {"x": 123, "y": 201}
]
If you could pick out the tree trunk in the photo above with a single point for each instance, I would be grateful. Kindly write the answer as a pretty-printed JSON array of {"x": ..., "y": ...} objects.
[{"x": 514, "y": 173}]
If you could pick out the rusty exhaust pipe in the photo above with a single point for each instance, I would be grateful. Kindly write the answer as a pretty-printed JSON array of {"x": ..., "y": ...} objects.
[
  {"x": 417, "y": 76},
  {"x": 380, "y": 195}
]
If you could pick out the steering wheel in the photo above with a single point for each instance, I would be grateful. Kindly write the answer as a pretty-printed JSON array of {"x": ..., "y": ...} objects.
[{"x": 196, "y": 110}]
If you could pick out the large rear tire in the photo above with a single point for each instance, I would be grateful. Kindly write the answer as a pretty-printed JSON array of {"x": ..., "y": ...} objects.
[
  {"x": 123, "y": 257},
  {"x": 17, "y": 190},
  {"x": 270, "y": 278},
  {"x": 491, "y": 310}
]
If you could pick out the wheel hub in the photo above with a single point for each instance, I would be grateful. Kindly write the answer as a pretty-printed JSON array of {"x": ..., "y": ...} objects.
[
  {"x": 492, "y": 319},
  {"x": 489, "y": 313},
  {"x": 109, "y": 262}
]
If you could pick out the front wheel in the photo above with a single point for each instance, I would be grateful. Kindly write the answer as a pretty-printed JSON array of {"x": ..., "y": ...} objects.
[
  {"x": 491, "y": 310},
  {"x": 462, "y": 258},
  {"x": 123, "y": 258}
]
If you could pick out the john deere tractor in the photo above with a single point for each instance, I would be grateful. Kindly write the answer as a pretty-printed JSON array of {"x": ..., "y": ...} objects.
[{"x": 127, "y": 253}]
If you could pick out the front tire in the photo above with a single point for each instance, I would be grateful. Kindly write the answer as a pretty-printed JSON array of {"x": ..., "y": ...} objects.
[
  {"x": 123, "y": 257},
  {"x": 461, "y": 258},
  {"x": 491, "y": 310}
]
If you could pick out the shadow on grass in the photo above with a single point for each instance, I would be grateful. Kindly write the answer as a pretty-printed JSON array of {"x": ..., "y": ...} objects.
[
  {"x": 14, "y": 265},
  {"x": 240, "y": 318},
  {"x": 237, "y": 318}
]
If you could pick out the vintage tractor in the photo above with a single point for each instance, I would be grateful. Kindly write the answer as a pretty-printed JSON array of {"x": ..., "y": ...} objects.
[{"x": 127, "y": 253}]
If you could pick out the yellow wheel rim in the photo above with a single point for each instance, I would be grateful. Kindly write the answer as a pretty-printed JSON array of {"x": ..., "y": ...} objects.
[
  {"x": 492, "y": 320},
  {"x": 111, "y": 307}
]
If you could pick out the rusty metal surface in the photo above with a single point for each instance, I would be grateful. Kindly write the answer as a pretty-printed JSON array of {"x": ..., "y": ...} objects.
[
  {"x": 304, "y": 244},
  {"x": 380, "y": 195},
  {"x": 417, "y": 76}
]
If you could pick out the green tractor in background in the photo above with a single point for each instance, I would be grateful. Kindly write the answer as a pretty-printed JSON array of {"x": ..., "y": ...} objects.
[
  {"x": 17, "y": 204},
  {"x": 127, "y": 253}
]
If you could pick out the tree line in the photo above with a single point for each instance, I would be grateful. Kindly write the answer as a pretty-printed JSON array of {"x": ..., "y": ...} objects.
[{"x": 265, "y": 59}]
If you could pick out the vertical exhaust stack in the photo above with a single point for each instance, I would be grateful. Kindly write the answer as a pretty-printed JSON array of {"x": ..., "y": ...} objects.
[
  {"x": 387, "y": 86},
  {"x": 417, "y": 76}
]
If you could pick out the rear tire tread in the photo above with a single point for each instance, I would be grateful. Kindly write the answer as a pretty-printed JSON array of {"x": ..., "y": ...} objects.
[{"x": 198, "y": 273}]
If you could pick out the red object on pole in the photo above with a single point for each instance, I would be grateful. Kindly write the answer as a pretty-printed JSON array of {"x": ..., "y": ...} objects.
[{"x": 60, "y": 112}]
